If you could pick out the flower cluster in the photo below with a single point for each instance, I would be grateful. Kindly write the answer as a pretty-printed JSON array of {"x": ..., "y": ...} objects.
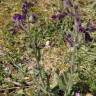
[
  {"x": 89, "y": 28},
  {"x": 75, "y": 14},
  {"x": 25, "y": 7},
  {"x": 19, "y": 19}
]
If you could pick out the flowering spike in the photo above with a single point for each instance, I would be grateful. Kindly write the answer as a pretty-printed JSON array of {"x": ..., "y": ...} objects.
[{"x": 25, "y": 7}]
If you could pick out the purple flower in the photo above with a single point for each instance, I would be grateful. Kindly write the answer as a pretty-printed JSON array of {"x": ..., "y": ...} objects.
[
  {"x": 18, "y": 21},
  {"x": 18, "y": 17},
  {"x": 77, "y": 20},
  {"x": 78, "y": 24},
  {"x": 25, "y": 7}
]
